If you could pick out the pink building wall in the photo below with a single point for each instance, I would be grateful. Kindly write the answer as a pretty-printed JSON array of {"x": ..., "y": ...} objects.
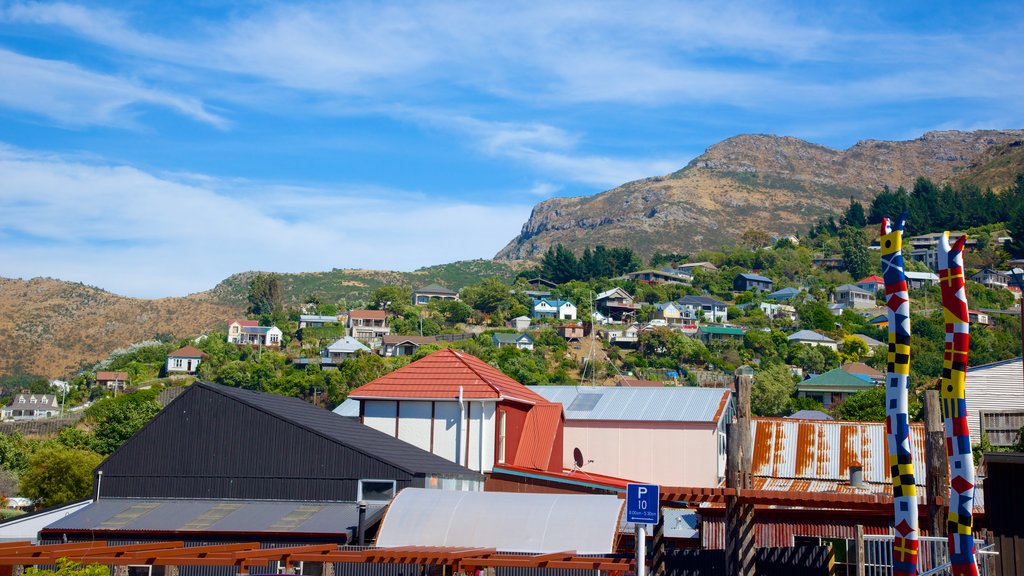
[{"x": 666, "y": 453}]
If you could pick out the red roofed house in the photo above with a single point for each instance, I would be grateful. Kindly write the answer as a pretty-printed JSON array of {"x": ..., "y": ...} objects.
[
  {"x": 235, "y": 329},
  {"x": 873, "y": 284},
  {"x": 112, "y": 380},
  {"x": 459, "y": 407},
  {"x": 368, "y": 325},
  {"x": 185, "y": 360}
]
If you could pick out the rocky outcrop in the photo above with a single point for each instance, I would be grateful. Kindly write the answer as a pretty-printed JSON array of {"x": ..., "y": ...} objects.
[{"x": 772, "y": 183}]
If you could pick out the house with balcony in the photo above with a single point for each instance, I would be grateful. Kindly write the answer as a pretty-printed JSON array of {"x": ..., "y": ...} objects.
[
  {"x": 670, "y": 314},
  {"x": 812, "y": 338},
  {"x": 235, "y": 329},
  {"x": 342, "y": 349},
  {"x": 994, "y": 279},
  {"x": 616, "y": 304},
  {"x": 710, "y": 334},
  {"x": 855, "y": 297},
  {"x": 550, "y": 308},
  {"x": 314, "y": 321},
  {"x": 368, "y": 325},
  {"x": 873, "y": 284},
  {"x": 424, "y": 295},
  {"x": 703, "y": 308},
  {"x": 269, "y": 336}
]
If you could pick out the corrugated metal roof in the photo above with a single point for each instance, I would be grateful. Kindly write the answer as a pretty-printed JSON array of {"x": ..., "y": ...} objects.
[
  {"x": 836, "y": 378},
  {"x": 675, "y": 404},
  {"x": 809, "y": 335},
  {"x": 349, "y": 408},
  {"x": 225, "y": 516},
  {"x": 509, "y": 522},
  {"x": 347, "y": 344},
  {"x": 823, "y": 451},
  {"x": 441, "y": 375},
  {"x": 996, "y": 387}
]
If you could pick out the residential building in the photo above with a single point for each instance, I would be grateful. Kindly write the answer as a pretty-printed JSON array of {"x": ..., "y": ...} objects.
[
  {"x": 223, "y": 464},
  {"x": 995, "y": 401},
  {"x": 541, "y": 284},
  {"x": 873, "y": 284},
  {"x": 457, "y": 406},
  {"x": 688, "y": 268},
  {"x": 398, "y": 345},
  {"x": 855, "y": 297},
  {"x": 368, "y": 325},
  {"x": 571, "y": 331},
  {"x": 112, "y": 380},
  {"x": 27, "y": 406},
  {"x": 978, "y": 317},
  {"x": 520, "y": 323},
  {"x": 836, "y": 308},
  {"x": 709, "y": 334},
  {"x": 811, "y": 338},
  {"x": 862, "y": 369},
  {"x": 656, "y": 277},
  {"x": 916, "y": 280},
  {"x": 314, "y": 321},
  {"x": 235, "y": 329},
  {"x": 880, "y": 321},
  {"x": 744, "y": 282},
  {"x": 343, "y": 349},
  {"x": 625, "y": 337},
  {"x": 185, "y": 360},
  {"x": 673, "y": 436},
  {"x": 992, "y": 279},
  {"x": 550, "y": 308},
  {"x": 871, "y": 343},
  {"x": 704, "y": 308},
  {"x": 925, "y": 249},
  {"x": 600, "y": 319},
  {"x": 424, "y": 295},
  {"x": 778, "y": 311},
  {"x": 521, "y": 340},
  {"x": 269, "y": 336},
  {"x": 834, "y": 386},
  {"x": 670, "y": 313},
  {"x": 616, "y": 304},
  {"x": 828, "y": 263},
  {"x": 783, "y": 294}
]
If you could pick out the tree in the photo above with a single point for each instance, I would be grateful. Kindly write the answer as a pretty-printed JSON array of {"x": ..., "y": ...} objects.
[
  {"x": 854, "y": 215},
  {"x": 454, "y": 311},
  {"x": 393, "y": 299},
  {"x": 853, "y": 349},
  {"x": 57, "y": 474},
  {"x": 265, "y": 294},
  {"x": 772, "y": 388},
  {"x": 869, "y": 406},
  {"x": 119, "y": 419},
  {"x": 855, "y": 251},
  {"x": 755, "y": 238},
  {"x": 66, "y": 567}
]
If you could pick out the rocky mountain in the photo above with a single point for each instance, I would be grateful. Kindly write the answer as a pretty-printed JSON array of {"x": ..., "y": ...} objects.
[
  {"x": 776, "y": 184},
  {"x": 51, "y": 327}
]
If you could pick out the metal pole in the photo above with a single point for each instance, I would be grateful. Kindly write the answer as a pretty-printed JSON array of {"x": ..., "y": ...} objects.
[{"x": 641, "y": 550}]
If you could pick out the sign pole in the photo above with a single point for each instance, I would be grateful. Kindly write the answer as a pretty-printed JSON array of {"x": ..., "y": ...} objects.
[{"x": 641, "y": 550}]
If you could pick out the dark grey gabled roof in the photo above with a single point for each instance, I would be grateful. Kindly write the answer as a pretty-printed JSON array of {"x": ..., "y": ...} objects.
[
  {"x": 701, "y": 301},
  {"x": 344, "y": 431}
]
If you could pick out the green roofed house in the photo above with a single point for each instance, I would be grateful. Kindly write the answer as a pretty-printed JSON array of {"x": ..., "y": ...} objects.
[
  {"x": 834, "y": 386},
  {"x": 711, "y": 334},
  {"x": 522, "y": 341}
]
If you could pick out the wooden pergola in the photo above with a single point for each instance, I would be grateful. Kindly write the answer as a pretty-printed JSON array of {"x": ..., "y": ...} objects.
[
  {"x": 822, "y": 500},
  {"x": 244, "y": 555}
]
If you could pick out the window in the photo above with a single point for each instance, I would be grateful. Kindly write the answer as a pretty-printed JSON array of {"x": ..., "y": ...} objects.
[
  {"x": 501, "y": 437},
  {"x": 376, "y": 490},
  {"x": 177, "y": 362}
]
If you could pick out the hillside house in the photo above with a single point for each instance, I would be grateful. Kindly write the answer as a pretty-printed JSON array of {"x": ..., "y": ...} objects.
[
  {"x": 269, "y": 336},
  {"x": 978, "y": 317},
  {"x": 624, "y": 337},
  {"x": 834, "y": 386},
  {"x": 522, "y": 341},
  {"x": 112, "y": 380},
  {"x": 704, "y": 308},
  {"x": 671, "y": 436},
  {"x": 916, "y": 280},
  {"x": 616, "y": 304},
  {"x": 862, "y": 369},
  {"x": 709, "y": 334},
  {"x": 873, "y": 284},
  {"x": 744, "y": 282},
  {"x": 398, "y": 345},
  {"x": 27, "y": 406},
  {"x": 314, "y": 321},
  {"x": 457, "y": 406},
  {"x": 669, "y": 313},
  {"x": 992, "y": 279},
  {"x": 519, "y": 323},
  {"x": 235, "y": 329},
  {"x": 688, "y": 268},
  {"x": 223, "y": 464},
  {"x": 424, "y": 295},
  {"x": 778, "y": 311},
  {"x": 812, "y": 338},
  {"x": 368, "y": 325},
  {"x": 342, "y": 349},
  {"x": 855, "y": 297},
  {"x": 783, "y": 294},
  {"x": 571, "y": 332},
  {"x": 828, "y": 263},
  {"x": 185, "y": 360},
  {"x": 870, "y": 342},
  {"x": 550, "y": 308},
  {"x": 656, "y": 277}
]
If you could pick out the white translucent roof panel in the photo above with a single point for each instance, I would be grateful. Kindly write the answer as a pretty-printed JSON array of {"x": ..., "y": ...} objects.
[{"x": 509, "y": 522}]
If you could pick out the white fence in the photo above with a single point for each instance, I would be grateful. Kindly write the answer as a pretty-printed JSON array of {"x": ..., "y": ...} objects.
[{"x": 932, "y": 556}]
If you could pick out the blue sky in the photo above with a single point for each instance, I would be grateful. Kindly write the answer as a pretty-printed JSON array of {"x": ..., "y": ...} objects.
[{"x": 154, "y": 148}]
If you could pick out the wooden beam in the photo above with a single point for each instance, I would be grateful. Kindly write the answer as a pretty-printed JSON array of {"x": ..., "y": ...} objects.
[{"x": 552, "y": 556}]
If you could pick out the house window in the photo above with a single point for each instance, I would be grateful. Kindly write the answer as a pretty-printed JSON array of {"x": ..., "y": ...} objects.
[
  {"x": 376, "y": 490},
  {"x": 177, "y": 362},
  {"x": 501, "y": 437},
  {"x": 21, "y": 400},
  {"x": 273, "y": 338}
]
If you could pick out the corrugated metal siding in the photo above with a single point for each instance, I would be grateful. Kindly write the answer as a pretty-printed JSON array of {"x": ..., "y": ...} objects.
[
  {"x": 818, "y": 450},
  {"x": 673, "y": 404},
  {"x": 772, "y": 533},
  {"x": 997, "y": 387},
  {"x": 208, "y": 444}
]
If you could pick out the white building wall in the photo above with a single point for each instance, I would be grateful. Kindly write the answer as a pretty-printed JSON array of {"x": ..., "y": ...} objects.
[
  {"x": 446, "y": 428},
  {"x": 380, "y": 415},
  {"x": 414, "y": 423},
  {"x": 999, "y": 388}
]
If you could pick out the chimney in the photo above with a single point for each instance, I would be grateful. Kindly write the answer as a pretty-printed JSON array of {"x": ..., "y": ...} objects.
[{"x": 856, "y": 475}]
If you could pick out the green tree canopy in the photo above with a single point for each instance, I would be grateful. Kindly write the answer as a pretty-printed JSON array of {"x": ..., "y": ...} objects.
[
  {"x": 57, "y": 474},
  {"x": 771, "y": 391},
  {"x": 265, "y": 294}
]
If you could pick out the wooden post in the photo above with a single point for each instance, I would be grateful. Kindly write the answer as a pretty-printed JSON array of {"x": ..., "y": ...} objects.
[
  {"x": 739, "y": 516},
  {"x": 743, "y": 388},
  {"x": 859, "y": 550},
  {"x": 171, "y": 571},
  {"x": 937, "y": 469}
]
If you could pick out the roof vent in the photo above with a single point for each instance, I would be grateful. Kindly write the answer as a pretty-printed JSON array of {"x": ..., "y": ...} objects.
[{"x": 856, "y": 475}]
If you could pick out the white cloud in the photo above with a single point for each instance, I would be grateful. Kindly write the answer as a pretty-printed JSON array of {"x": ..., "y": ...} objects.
[
  {"x": 141, "y": 234},
  {"x": 73, "y": 96}
]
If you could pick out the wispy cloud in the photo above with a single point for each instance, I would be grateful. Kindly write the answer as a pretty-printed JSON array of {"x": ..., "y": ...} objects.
[
  {"x": 73, "y": 96},
  {"x": 143, "y": 234}
]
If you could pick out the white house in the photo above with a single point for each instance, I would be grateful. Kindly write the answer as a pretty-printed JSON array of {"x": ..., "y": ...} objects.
[
  {"x": 185, "y": 360},
  {"x": 812, "y": 338},
  {"x": 703, "y": 308},
  {"x": 854, "y": 296},
  {"x": 992, "y": 278},
  {"x": 520, "y": 323},
  {"x": 522, "y": 341},
  {"x": 778, "y": 311},
  {"x": 31, "y": 407},
  {"x": 917, "y": 279},
  {"x": 235, "y": 329},
  {"x": 269, "y": 336},
  {"x": 342, "y": 349},
  {"x": 560, "y": 309}
]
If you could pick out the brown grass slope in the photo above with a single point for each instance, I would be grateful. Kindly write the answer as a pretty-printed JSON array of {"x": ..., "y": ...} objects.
[
  {"x": 51, "y": 327},
  {"x": 772, "y": 183}
]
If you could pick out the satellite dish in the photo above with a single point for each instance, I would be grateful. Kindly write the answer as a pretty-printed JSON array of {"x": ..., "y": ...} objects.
[{"x": 577, "y": 457}]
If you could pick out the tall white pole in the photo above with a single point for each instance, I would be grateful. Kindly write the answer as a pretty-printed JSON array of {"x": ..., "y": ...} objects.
[{"x": 641, "y": 550}]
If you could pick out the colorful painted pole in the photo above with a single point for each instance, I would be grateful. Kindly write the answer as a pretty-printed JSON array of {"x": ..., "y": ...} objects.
[
  {"x": 959, "y": 520},
  {"x": 897, "y": 421}
]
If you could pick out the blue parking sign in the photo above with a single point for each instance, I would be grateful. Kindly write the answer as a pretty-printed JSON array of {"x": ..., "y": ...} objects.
[{"x": 642, "y": 503}]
